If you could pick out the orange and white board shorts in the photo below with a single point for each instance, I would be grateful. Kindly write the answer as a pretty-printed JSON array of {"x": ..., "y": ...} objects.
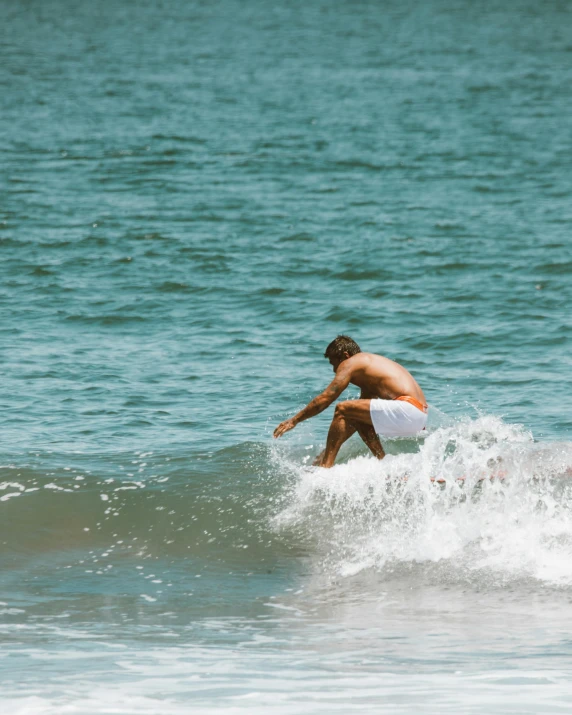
[{"x": 402, "y": 417}]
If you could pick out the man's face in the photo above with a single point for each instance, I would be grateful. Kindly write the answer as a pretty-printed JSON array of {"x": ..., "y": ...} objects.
[{"x": 335, "y": 363}]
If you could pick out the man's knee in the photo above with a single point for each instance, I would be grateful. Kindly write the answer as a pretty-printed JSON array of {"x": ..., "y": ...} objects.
[
  {"x": 343, "y": 412},
  {"x": 340, "y": 411}
]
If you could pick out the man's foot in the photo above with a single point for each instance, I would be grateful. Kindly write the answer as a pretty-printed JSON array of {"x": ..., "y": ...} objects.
[{"x": 319, "y": 459}]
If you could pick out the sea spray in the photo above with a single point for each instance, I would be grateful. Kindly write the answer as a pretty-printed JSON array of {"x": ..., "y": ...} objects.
[{"x": 500, "y": 511}]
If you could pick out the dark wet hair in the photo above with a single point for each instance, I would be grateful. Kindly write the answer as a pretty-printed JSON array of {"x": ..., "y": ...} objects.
[{"x": 341, "y": 345}]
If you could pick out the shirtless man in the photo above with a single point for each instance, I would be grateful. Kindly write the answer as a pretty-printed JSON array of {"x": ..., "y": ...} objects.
[{"x": 391, "y": 402}]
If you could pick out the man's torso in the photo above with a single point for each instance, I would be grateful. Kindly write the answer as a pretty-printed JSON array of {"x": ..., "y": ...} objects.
[{"x": 378, "y": 376}]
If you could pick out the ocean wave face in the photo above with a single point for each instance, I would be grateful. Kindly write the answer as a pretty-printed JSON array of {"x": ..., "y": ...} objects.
[
  {"x": 256, "y": 570},
  {"x": 479, "y": 503}
]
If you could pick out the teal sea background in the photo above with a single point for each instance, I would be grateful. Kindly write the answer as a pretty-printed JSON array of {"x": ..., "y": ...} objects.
[{"x": 195, "y": 198}]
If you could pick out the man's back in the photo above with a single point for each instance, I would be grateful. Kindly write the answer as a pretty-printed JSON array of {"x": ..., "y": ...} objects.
[{"x": 378, "y": 376}]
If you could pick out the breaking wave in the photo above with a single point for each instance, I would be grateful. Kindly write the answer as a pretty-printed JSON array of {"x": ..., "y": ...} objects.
[
  {"x": 476, "y": 502},
  {"x": 499, "y": 509}
]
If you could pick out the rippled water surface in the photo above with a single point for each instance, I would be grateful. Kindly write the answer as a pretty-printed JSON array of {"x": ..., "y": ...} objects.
[{"x": 195, "y": 198}]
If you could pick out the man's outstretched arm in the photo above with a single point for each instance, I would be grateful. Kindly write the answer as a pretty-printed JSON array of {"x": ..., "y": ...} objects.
[{"x": 319, "y": 403}]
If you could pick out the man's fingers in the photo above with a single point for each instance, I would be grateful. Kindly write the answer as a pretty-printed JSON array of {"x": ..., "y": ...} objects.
[{"x": 282, "y": 427}]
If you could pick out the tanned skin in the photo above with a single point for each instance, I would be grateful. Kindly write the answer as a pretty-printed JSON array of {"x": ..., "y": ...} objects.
[{"x": 376, "y": 376}]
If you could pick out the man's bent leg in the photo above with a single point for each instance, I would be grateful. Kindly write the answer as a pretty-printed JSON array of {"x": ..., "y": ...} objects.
[
  {"x": 349, "y": 416},
  {"x": 369, "y": 436},
  {"x": 340, "y": 431}
]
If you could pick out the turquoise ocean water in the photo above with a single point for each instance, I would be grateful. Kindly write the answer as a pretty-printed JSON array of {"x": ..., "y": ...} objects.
[{"x": 195, "y": 198}]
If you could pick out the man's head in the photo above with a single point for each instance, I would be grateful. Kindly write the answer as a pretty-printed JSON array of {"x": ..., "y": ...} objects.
[{"x": 340, "y": 349}]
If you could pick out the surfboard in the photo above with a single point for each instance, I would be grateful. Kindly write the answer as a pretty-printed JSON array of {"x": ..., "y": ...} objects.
[{"x": 491, "y": 477}]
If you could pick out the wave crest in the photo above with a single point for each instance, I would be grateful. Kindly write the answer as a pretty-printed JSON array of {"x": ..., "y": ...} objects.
[{"x": 501, "y": 510}]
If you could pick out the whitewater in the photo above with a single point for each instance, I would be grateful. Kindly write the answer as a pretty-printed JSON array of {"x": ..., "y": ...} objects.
[{"x": 479, "y": 503}]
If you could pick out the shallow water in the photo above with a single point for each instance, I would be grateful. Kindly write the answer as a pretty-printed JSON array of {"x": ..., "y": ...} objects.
[{"x": 196, "y": 198}]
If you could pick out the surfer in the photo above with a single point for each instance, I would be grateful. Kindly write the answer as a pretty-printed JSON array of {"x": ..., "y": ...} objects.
[{"x": 391, "y": 402}]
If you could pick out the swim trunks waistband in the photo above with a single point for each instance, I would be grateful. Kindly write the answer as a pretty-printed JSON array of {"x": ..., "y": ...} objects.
[{"x": 414, "y": 402}]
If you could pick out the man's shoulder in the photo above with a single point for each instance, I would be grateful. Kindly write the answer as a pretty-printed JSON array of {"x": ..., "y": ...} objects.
[
  {"x": 368, "y": 356},
  {"x": 361, "y": 359},
  {"x": 371, "y": 361}
]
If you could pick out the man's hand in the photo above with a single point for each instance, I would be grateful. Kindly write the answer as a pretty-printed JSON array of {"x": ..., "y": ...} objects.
[
  {"x": 319, "y": 403},
  {"x": 285, "y": 426}
]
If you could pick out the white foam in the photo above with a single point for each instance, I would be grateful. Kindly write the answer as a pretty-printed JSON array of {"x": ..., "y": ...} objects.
[{"x": 366, "y": 514}]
